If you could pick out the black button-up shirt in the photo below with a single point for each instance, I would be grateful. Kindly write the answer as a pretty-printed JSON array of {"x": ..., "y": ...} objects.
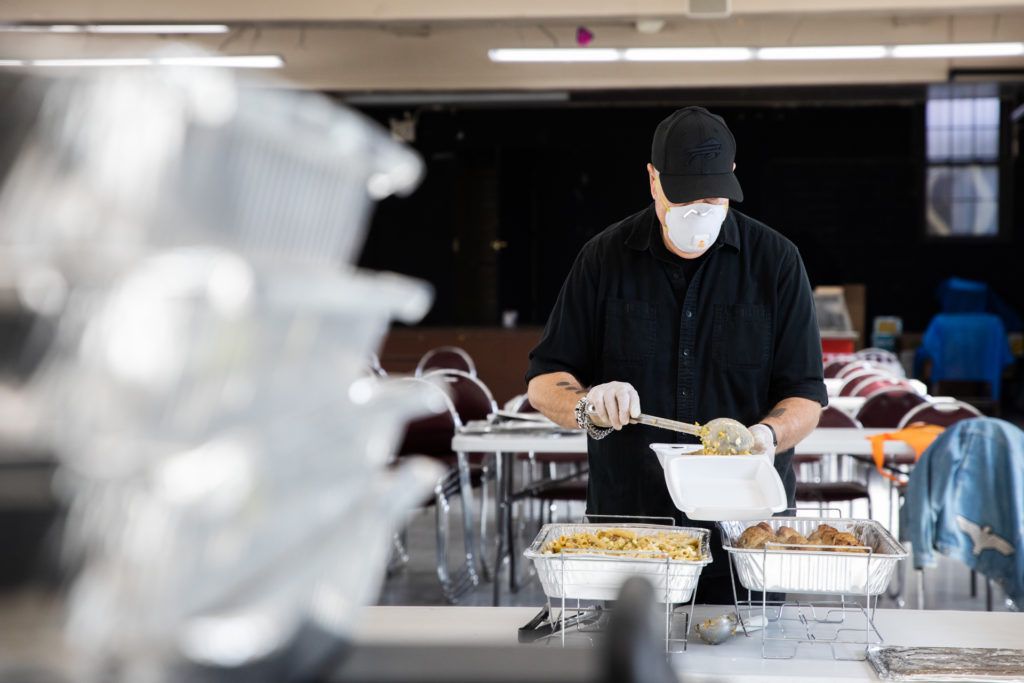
[{"x": 727, "y": 335}]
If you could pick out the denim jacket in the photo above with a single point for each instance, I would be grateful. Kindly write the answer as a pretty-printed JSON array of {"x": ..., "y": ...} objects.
[{"x": 966, "y": 500}]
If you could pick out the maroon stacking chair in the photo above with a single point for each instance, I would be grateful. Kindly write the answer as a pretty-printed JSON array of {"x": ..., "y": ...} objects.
[
  {"x": 445, "y": 358},
  {"x": 473, "y": 401},
  {"x": 432, "y": 436},
  {"x": 823, "y": 492},
  {"x": 887, "y": 408},
  {"x": 834, "y": 367},
  {"x": 853, "y": 380},
  {"x": 872, "y": 385},
  {"x": 572, "y": 489},
  {"x": 856, "y": 366},
  {"x": 943, "y": 414}
]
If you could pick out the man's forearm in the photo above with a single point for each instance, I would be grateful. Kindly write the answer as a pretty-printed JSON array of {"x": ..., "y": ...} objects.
[
  {"x": 793, "y": 419},
  {"x": 555, "y": 395}
]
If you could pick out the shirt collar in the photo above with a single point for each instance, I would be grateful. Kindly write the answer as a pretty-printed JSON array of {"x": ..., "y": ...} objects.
[{"x": 648, "y": 228}]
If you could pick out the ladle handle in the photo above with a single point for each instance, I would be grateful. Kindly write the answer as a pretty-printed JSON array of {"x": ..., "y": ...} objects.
[{"x": 665, "y": 423}]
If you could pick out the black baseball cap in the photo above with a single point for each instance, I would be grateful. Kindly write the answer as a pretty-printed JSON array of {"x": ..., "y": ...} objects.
[{"x": 693, "y": 151}]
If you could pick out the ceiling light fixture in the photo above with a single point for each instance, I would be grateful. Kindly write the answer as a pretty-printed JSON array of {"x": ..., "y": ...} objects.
[
  {"x": 950, "y": 50},
  {"x": 222, "y": 61},
  {"x": 733, "y": 54},
  {"x": 116, "y": 28},
  {"x": 687, "y": 54},
  {"x": 563, "y": 54},
  {"x": 824, "y": 52}
]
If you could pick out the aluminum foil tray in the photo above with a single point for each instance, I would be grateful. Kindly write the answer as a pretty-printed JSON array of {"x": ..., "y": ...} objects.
[
  {"x": 798, "y": 571},
  {"x": 946, "y": 664},
  {"x": 593, "y": 576}
]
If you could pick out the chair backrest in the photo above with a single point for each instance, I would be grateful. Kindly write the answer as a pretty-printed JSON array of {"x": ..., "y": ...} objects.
[
  {"x": 886, "y": 408},
  {"x": 878, "y": 355},
  {"x": 471, "y": 397},
  {"x": 852, "y": 381},
  {"x": 942, "y": 414},
  {"x": 872, "y": 385},
  {"x": 833, "y": 418},
  {"x": 834, "y": 367},
  {"x": 445, "y": 358},
  {"x": 431, "y": 435},
  {"x": 522, "y": 405},
  {"x": 854, "y": 366}
]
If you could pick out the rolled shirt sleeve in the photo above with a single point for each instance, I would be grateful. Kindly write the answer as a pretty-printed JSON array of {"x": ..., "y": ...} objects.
[
  {"x": 796, "y": 365},
  {"x": 568, "y": 342}
]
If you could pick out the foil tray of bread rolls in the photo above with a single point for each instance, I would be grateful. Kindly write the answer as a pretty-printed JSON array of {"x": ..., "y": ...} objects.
[{"x": 812, "y": 555}]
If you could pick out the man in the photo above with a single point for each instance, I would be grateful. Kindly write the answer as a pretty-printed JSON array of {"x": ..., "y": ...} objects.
[{"x": 688, "y": 310}]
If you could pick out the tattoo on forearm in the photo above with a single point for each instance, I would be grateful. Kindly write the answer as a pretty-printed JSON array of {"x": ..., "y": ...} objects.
[
  {"x": 777, "y": 412},
  {"x": 569, "y": 386}
]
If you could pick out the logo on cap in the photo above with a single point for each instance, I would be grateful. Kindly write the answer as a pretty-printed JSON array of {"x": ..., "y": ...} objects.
[{"x": 709, "y": 149}]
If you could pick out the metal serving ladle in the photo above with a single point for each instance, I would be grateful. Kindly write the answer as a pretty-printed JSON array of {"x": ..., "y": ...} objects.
[{"x": 721, "y": 435}]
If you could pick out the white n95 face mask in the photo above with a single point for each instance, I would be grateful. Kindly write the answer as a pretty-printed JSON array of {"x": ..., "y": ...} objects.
[{"x": 694, "y": 228}]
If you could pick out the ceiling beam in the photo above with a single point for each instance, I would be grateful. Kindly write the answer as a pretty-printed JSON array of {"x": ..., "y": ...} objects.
[{"x": 247, "y": 11}]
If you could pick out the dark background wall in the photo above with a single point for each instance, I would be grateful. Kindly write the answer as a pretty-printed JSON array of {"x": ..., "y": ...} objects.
[{"x": 842, "y": 178}]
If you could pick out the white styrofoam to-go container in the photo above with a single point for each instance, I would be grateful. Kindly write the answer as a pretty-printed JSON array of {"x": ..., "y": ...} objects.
[{"x": 715, "y": 488}]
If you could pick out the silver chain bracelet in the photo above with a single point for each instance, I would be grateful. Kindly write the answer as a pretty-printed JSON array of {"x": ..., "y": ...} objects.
[{"x": 583, "y": 421}]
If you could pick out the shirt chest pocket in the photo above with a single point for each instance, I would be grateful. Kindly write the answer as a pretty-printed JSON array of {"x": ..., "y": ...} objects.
[
  {"x": 630, "y": 329},
  {"x": 741, "y": 335}
]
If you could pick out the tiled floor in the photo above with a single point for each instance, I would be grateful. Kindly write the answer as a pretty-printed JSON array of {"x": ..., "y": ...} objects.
[{"x": 947, "y": 586}]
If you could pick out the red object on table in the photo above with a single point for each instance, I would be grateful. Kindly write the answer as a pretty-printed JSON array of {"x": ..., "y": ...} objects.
[{"x": 838, "y": 342}]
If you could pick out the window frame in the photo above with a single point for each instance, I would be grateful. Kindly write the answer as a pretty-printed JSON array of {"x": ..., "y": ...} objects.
[{"x": 1002, "y": 163}]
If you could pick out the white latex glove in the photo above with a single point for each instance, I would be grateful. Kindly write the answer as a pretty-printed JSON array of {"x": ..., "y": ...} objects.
[
  {"x": 613, "y": 404},
  {"x": 763, "y": 441}
]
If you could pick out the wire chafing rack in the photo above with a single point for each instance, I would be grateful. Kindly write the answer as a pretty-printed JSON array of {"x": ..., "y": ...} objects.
[
  {"x": 849, "y": 583},
  {"x": 577, "y": 582}
]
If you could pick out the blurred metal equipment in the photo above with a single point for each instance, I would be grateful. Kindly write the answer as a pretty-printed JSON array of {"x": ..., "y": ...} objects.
[
  {"x": 185, "y": 238},
  {"x": 630, "y": 651}
]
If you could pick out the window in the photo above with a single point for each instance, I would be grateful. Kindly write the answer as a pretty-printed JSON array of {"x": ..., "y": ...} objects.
[{"x": 963, "y": 142}]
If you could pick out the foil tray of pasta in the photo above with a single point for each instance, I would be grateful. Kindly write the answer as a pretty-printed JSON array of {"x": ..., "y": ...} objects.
[
  {"x": 812, "y": 555},
  {"x": 591, "y": 561}
]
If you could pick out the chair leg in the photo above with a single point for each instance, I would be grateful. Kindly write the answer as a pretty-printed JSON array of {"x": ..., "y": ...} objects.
[
  {"x": 988, "y": 594},
  {"x": 485, "y": 568},
  {"x": 470, "y": 543},
  {"x": 452, "y": 586},
  {"x": 399, "y": 557},
  {"x": 920, "y": 588},
  {"x": 974, "y": 584}
]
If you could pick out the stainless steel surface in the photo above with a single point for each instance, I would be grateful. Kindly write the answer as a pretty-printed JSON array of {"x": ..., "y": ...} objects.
[
  {"x": 724, "y": 432},
  {"x": 665, "y": 423},
  {"x": 593, "y": 576},
  {"x": 946, "y": 664},
  {"x": 816, "y": 571},
  {"x": 715, "y": 630}
]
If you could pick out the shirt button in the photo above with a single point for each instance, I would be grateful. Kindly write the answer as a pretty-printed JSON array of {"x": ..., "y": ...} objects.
[
  {"x": 686, "y": 352},
  {"x": 689, "y": 314},
  {"x": 682, "y": 392},
  {"x": 675, "y": 275}
]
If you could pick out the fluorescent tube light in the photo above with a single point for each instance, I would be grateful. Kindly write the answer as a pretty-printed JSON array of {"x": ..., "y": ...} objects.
[
  {"x": 563, "y": 54},
  {"x": 735, "y": 54},
  {"x": 164, "y": 29},
  {"x": 959, "y": 50},
  {"x": 224, "y": 61},
  {"x": 823, "y": 52},
  {"x": 687, "y": 54}
]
